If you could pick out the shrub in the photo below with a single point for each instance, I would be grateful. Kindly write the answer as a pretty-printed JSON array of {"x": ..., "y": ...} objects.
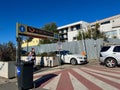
[{"x": 7, "y": 52}]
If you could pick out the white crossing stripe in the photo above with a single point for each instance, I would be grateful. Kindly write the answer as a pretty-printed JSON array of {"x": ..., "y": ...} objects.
[
  {"x": 53, "y": 84},
  {"x": 102, "y": 72},
  {"x": 77, "y": 85},
  {"x": 94, "y": 80},
  {"x": 106, "y": 77},
  {"x": 112, "y": 70}
]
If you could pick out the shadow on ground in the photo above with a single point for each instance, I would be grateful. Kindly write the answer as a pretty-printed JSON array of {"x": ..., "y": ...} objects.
[{"x": 43, "y": 79}]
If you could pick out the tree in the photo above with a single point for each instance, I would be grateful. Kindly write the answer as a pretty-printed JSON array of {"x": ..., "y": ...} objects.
[
  {"x": 52, "y": 27},
  {"x": 91, "y": 33},
  {"x": 96, "y": 32},
  {"x": 81, "y": 35},
  {"x": 7, "y": 52}
]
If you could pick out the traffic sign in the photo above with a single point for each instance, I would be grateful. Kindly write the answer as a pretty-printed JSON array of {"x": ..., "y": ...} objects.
[
  {"x": 59, "y": 45},
  {"x": 33, "y": 32}
]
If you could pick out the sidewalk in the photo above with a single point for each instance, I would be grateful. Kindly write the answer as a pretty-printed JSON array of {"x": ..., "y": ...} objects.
[
  {"x": 11, "y": 84},
  {"x": 8, "y": 84}
]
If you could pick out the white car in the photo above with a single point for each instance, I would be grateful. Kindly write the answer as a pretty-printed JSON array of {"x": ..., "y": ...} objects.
[
  {"x": 73, "y": 58},
  {"x": 110, "y": 55}
]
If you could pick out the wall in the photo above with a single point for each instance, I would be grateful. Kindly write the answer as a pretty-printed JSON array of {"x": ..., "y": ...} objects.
[
  {"x": 71, "y": 35},
  {"x": 7, "y": 69},
  {"x": 75, "y": 47},
  {"x": 45, "y": 61},
  {"x": 116, "y": 22}
]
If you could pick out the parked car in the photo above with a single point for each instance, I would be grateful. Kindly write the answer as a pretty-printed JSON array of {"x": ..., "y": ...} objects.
[
  {"x": 74, "y": 59},
  {"x": 110, "y": 55},
  {"x": 23, "y": 52}
]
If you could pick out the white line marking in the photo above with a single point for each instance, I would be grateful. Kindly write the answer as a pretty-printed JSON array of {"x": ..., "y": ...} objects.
[
  {"x": 77, "y": 85},
  {"x": 53, "y": 84},
  {"x": 102, "y": 72},
  {"x": 94, "y": 80}
]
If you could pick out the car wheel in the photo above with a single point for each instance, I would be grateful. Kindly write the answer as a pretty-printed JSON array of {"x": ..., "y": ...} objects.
[
  {"x": 110, "y": 62},
  {"x": 73, "y": 61}
]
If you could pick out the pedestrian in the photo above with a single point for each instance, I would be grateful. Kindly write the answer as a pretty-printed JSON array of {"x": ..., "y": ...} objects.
[
  {"x": 33, "y": 54},
  {"x": 42, "y": 61},
  {"x": 29, "y": 58}
]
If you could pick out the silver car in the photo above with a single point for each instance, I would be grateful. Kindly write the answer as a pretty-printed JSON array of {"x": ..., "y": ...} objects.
[{"x": 110, "y": 55}]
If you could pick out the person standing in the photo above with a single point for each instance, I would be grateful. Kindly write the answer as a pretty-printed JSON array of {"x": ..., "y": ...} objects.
[{"x": 32, "y": 52}]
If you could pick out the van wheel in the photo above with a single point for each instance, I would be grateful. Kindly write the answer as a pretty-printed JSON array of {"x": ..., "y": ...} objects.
[
  {"x": 110, "y": 62},
  {"x": 73, "y": 61}
]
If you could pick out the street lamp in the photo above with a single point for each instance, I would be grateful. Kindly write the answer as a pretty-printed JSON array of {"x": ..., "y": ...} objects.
[{"x": 83, "y": 41}]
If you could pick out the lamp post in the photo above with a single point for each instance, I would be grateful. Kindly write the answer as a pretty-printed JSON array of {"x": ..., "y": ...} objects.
[{"x": 83, "y": 42}]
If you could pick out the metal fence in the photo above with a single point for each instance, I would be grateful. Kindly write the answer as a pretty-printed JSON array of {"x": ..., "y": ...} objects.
[{"x": 76, "y": 47}]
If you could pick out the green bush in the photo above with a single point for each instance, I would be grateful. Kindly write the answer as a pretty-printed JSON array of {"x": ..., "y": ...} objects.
[{"x": 7, "y": 52}]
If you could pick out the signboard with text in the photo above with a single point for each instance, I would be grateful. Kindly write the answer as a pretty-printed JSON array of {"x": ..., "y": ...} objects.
[{"x": 33, "y": 32}]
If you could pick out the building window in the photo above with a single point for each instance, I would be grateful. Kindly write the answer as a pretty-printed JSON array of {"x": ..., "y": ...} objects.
[
  {"x": 106, "y": 22},
  {"x": 62, "y": 31},
  {"x": 72, "y": 28},
  {"x": 111, "y": 33},
  {"x": 74, "y": 38},
  {"x": 78, "y": 27},
  {"x": 114, "y": 33},
  {"x": 107, "y": 34},
  {"x": 119, "y": 31}
]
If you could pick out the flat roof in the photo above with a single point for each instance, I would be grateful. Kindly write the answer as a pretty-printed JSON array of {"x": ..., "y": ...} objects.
[{"x": 72, "y": 24}]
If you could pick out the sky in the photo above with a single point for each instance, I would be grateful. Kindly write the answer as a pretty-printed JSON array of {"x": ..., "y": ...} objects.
[{"x": 37, "y": 13}]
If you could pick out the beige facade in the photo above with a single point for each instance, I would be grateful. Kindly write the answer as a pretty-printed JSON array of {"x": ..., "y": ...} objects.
[{"x": 110, "y": 26}]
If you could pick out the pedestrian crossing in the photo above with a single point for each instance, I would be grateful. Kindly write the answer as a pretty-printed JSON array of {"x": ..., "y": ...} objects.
[{"x": 81, "y": 78}]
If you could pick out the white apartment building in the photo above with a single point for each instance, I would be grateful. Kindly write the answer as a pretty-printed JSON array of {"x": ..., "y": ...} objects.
[
  {"x": 69, "y": 32},
  {"x": 110, "y": 26}
]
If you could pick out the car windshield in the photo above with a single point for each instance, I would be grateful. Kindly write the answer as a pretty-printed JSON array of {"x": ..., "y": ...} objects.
[
  {"x": 64, "y": 52},
  {"x": 105, "y": 48}
]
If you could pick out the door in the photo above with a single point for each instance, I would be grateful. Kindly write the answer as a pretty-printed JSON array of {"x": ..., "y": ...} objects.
[{"x": 116, "y": 53}]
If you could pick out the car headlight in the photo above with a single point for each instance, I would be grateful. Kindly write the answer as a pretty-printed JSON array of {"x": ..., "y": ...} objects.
[{"x": 80, "y": 57}]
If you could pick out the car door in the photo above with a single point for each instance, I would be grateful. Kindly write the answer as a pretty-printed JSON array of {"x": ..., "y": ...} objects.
[
  {"x": 116, "y": 53},
  {"x": 67, "y": 58}
]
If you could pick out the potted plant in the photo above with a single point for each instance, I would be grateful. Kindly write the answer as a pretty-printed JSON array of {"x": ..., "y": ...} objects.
[{"x": 7, "y": 60}]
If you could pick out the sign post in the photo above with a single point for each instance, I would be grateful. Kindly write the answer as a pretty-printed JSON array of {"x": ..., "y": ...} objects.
[
  {"x": 22, "y": 67},
  {"x": 59, "y": 48}
]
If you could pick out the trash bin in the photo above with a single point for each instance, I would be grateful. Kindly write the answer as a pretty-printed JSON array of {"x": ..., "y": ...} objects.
[{"x": 25, "y": 75}]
